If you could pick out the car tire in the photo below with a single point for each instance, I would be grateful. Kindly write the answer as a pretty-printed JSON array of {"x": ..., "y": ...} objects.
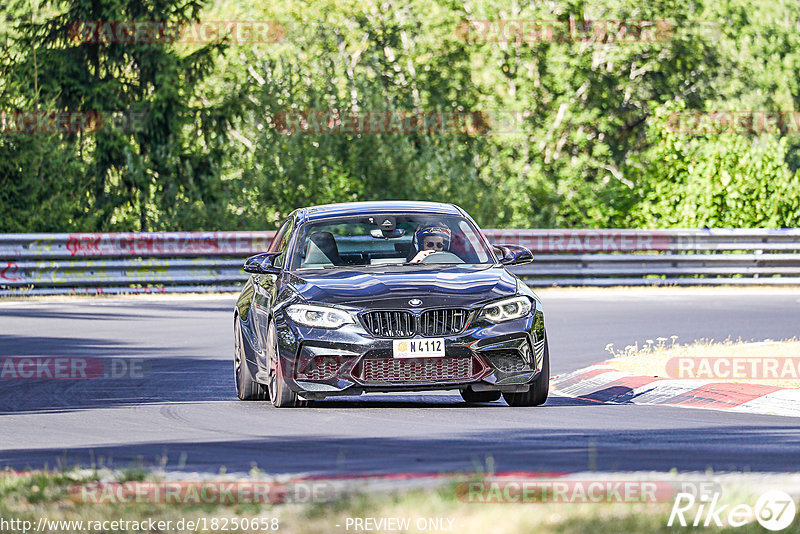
[
  {"x": 279, "y": 393},
  {"x": 246, "y": 386},
  {"x": 472, "y": 397},
  {"x": 540, "y": 388}
]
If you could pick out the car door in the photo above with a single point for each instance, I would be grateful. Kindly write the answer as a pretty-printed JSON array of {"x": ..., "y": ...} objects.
[{"x": 266, "y": 287}]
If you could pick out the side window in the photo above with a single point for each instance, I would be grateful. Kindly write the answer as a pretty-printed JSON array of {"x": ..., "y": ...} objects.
[{"x": 280, "y": 242}]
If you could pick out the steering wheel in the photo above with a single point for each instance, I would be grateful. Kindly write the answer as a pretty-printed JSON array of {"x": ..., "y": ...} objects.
[{"x": 441, "y": 257}]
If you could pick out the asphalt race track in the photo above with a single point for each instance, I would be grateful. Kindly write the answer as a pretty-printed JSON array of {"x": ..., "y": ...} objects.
[{"x": 179, "y": 410}]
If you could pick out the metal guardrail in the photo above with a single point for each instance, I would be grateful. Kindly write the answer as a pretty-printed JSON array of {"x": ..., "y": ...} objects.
[
  {"x": 54, "y": 264},
  {"x": 37, "y": 264},
  {"x": 658, "y": 257}
]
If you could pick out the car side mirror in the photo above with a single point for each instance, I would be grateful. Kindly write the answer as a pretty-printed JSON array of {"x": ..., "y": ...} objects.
[
  {"x": 514, "y": 254},
  {"x": 262, "y": 263}
]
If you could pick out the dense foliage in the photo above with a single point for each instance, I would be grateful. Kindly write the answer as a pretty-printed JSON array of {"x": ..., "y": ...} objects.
[{"x": 589, "y": 138}]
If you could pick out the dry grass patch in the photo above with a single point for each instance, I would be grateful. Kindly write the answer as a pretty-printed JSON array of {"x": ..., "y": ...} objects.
[
  {"x": 775, "y": 363},
  {"x": 46, "y": 494}
]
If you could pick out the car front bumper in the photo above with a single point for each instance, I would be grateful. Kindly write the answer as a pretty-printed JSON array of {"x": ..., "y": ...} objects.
[{"x": 349, "y": 361}]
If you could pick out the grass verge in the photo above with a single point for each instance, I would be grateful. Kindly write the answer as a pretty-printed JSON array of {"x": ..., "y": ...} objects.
[
  {"x": 775, "y": 363},
  {"x": 440, "y": 509}
]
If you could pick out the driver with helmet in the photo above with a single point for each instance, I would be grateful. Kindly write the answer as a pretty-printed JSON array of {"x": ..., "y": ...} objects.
[{"x": 430, "y": 239}]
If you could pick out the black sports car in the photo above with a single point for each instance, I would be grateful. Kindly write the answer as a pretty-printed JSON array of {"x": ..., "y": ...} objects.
[{"x": 388, "y": 296}]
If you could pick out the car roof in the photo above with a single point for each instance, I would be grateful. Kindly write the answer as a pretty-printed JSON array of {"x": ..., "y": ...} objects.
[{"x": 376, "y": 207}]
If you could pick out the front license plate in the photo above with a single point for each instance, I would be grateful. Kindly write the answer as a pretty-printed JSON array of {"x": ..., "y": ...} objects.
[{"x": 418, "y": 348}]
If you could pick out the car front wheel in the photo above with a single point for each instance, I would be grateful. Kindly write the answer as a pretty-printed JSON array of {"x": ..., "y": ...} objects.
[{"x": 246, "y": 386}]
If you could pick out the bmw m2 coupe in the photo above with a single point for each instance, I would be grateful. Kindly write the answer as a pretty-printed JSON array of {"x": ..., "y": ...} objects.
[{"x": 388, "y": 297}]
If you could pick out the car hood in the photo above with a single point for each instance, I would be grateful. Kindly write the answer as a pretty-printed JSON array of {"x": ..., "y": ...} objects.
[{"x": 394, "y": 286}]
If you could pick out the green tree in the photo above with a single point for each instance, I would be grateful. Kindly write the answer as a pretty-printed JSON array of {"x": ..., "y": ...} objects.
[
  {"x": 162, "y": 172},
  {"x": 713, "y": 180}
]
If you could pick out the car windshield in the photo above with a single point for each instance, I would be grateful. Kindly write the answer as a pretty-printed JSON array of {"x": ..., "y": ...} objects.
[{"x": 393, "y": 239}]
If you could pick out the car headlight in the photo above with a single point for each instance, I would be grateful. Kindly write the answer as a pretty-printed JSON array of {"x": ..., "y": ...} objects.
[
  {"x": 506, "y": 310},
  {"x": 318, "y": 316}
]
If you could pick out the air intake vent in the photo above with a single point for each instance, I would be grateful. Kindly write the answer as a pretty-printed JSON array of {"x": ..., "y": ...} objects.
[
  {"x": 507, "y": 360},
  {"x": 416, "y": 369}
]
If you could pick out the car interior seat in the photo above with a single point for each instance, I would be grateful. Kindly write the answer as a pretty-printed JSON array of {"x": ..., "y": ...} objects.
[{"x": 321, "y": 249}]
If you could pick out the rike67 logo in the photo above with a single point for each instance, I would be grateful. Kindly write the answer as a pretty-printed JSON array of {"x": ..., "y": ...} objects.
[{"x": 774, "y": 510}]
